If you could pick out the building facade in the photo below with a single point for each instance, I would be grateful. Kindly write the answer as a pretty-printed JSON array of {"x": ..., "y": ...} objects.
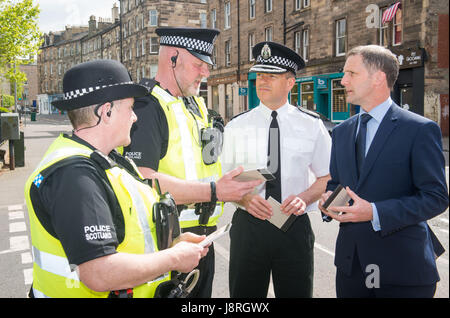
[
  {"x": 128, "y": 36},
  {"x": 322, "y": 32}
]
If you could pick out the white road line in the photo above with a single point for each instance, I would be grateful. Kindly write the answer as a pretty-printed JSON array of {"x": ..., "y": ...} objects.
[
  {"x": 15, "y": 207},
  {"x": 16, "y": 215},
  {"x": 19, "y": 243},
  {"x": 17, "y": 227},
  {"x": 26, "y": 258},
  {"x": 323, "y": 249},
  {"x": 28, "y": 276}
]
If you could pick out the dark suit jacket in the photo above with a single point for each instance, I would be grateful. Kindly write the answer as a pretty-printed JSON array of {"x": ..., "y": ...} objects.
[{"x": 404, "y": 175}]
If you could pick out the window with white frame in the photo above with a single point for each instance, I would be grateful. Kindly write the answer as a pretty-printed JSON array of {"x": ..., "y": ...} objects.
[
  {"x": 251, "y": 9},
  {"x": 305, "y": 44},
  {"x": 154, "y": 45},
  {"x": 153, "y": 70},
  {"x": 268, "y": 6},
  {"x": 268, "y": 32},
  {"x": 214, "y": 57},
  {"x": 383, "y": 30},
  {"x": 153, "y": 18},
  {"x": 228, "y": 53},
  {"x": 227, "y": 11},
  {"x": 397, "y": 28},
  {"x": 213, "y": 18},
  {"x": 251, "y": 44},
  {"x": 143, "y": 46},
  {"x": 341, "y": 27},
  {"x": 203, "y": 22},
  {"x": 297, "y": 42},
  {"x": 393, "y": 28},
  {"x": 300, "y": 4}
]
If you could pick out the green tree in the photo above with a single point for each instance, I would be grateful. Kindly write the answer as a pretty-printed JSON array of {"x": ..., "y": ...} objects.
[{"x": 20, "y": 38}]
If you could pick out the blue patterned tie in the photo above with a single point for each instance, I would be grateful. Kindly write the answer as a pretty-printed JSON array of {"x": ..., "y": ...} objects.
[{"x": 361, "y": 141}]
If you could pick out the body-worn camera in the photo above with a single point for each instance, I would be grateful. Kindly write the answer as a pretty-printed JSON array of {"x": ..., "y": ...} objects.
[
  {"x": 165, "y": 216},
  {"x": 212, "y": 138}
]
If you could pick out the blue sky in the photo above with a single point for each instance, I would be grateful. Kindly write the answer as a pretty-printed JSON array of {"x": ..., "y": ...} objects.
[{"x": 56, "y": 14}]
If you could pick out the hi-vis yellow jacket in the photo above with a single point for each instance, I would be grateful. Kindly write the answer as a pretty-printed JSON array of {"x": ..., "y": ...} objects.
[
  {"x": 184, "y": 152},
  {"x": 52, "y": 275}
]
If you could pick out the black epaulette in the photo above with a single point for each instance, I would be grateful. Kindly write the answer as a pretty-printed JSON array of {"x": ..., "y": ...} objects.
[
  {"x": 308, "y": 112},
  {"x": 149, "y": 83},
  {"x": 240, "y": 114}
]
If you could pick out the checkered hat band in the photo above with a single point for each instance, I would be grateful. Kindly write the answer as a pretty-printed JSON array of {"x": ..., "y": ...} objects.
[
  {"x": 83, "y": 91},
  {"x": 189, "y": 43},
  {"x": 278, "y": 60}
]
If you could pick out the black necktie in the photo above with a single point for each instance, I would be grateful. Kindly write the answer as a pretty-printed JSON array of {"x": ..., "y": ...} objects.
[
  {"x": 361, "y": 141},
  {"x": 273, "y": 188}
]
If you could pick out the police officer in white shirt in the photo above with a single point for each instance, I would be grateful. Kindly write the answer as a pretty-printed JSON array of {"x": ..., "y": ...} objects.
[{"x": 295, "y": 146}]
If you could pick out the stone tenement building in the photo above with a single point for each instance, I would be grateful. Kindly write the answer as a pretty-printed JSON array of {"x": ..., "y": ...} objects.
[
  {"x": 128, "y": 36},
  {"x": 323, "y": 31}
]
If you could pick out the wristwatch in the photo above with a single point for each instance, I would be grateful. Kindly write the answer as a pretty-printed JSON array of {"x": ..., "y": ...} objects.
[{"x": 213, "y": 192}]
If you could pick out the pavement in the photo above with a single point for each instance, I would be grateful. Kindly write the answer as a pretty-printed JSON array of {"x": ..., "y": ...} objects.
[{"x": 15, "y": 245}]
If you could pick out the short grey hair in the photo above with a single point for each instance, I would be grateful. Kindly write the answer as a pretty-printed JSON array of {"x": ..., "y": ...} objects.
[
  {"x": 378, "y": 58},
  {"x": 82, "y": 116}
]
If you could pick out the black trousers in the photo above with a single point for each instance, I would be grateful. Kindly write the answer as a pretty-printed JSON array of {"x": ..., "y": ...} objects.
[
  {"x": 203, "y": 289},
  {"x": 259, "y": 249},
  {"x": 355, "y": 286}
]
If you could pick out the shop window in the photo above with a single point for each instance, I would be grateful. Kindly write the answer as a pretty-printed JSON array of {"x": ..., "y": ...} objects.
[
  {"x": 338, "y": 97},
  {"x": 228, "y": 106},
  {"x": 307, "y": 95},
  {"x": 215, "y": 98},
  {"x": 294, "y": 95},
  {"x": 204, "y": 91}
]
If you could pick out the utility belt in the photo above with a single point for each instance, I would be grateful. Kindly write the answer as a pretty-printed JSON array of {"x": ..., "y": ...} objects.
[{"x": 205, "y": 210}]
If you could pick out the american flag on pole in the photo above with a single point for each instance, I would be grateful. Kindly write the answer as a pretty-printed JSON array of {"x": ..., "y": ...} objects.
[{"x": 389, "y": 14}]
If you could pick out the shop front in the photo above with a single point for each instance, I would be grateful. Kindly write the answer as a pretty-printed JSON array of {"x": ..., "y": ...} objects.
[
  {"x": 409, "y": 89},
  {"x": 325, "y": 95}
]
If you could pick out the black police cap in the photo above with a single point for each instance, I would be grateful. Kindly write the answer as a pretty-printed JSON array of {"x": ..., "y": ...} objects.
[{"x": 273, "y": 57}]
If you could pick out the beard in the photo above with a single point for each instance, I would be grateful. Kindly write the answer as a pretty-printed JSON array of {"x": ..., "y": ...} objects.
[{"x": 192, "y": 88}]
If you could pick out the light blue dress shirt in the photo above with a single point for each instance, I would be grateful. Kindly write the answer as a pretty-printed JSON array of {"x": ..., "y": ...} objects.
[{"x": 377, "y": 114}]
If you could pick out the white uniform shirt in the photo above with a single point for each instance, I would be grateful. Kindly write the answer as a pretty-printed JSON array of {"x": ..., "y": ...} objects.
[{"x": 305, "y": 147}]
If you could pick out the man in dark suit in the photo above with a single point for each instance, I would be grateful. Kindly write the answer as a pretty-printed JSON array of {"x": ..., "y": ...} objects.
[{"x": 391, "y": 163}]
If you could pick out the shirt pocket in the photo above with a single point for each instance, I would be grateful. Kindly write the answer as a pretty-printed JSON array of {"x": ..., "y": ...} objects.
[{"x": 299, "y": 146}]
